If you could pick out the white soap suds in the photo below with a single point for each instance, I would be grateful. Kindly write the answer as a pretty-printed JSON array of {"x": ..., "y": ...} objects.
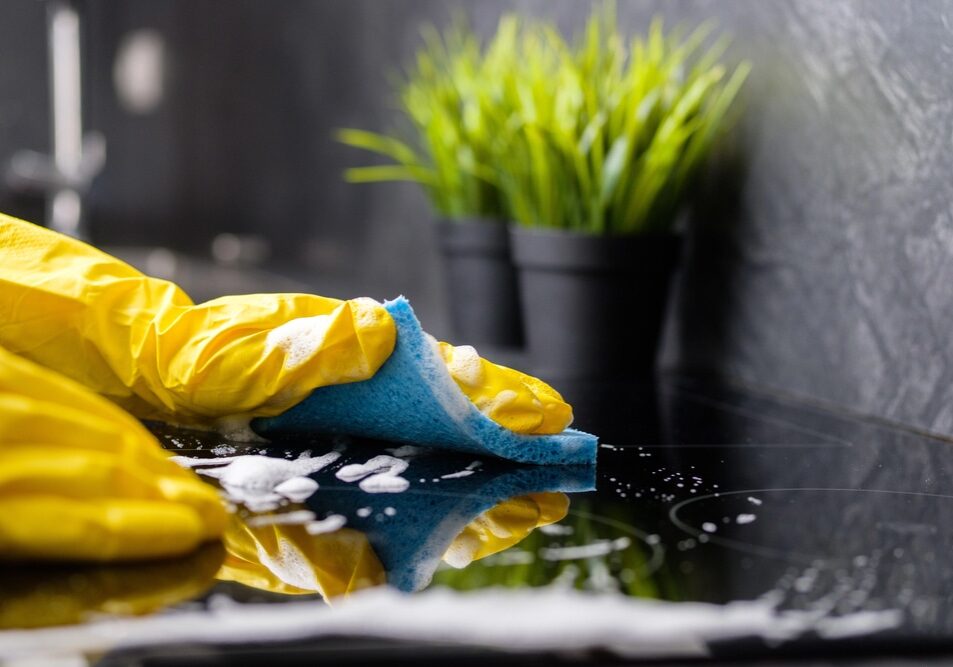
[
  {"x": 461, "y": 551},
  {"x": 556, "y": 529},
  {"x": 297, "y": 489},
  {"x": 390, "y": 511},
  {"x": 709, "y": 527},
  {"x": 366, "y": 311},
  {"x": 262, "y": 483},
  {"x": 526, "y": 620},
  {"x": 592, "y": 550},
  {"x": 754, "y": 501},
  {"x": 364, "y": 512},
  {"x": 223, "y": 450},
  {"x": 745, "y": 518},
  {"x": 380, "y": 474},
  {"x": 327, "y": 525},
  {"x": 501, "y": 400},
  {"x": 384, "y": 483},
  {"x": 465, "y": 366},
  {"x": 287, "y": 519},
  {"x": 378, "y": 464},
  {"x": 299, "y": 339}
]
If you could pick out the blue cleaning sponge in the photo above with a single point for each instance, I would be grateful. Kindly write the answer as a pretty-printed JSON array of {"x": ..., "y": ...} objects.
[{"x": 413, "y": 399}]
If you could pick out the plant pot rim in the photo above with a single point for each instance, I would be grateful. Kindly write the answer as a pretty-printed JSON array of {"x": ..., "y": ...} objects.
[
  {"x": 473, "y": 236},
  {"x": 470, "y": 220},
  {"x": 569, "y": 250}
]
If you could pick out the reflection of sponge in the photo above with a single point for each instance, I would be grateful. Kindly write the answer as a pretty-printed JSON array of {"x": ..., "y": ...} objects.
[{"x": 412, "y": 398}]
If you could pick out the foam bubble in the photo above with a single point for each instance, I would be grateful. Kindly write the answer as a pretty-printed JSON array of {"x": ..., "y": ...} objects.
[{"x": 299, "y": 339}]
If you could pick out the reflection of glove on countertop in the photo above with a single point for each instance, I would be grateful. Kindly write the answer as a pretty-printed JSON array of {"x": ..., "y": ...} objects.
[
  {"x": 81, "y": 479},
  {"x": 288, "y": 559},
  {"x": 70, "y": 593}
]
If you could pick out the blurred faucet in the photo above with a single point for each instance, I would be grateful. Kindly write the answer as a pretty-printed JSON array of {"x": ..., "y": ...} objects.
[{"x": 65, "y": 176}]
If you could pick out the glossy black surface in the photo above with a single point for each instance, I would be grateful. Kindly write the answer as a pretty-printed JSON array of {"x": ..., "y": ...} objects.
[{"x": 703, "y": 492}]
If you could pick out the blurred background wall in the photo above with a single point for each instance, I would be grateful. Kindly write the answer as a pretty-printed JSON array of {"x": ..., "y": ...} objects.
[{"x": 820, "y": 262}]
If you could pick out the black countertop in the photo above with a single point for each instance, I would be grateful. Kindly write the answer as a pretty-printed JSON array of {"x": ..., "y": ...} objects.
[{"x": 703, "y": 493}]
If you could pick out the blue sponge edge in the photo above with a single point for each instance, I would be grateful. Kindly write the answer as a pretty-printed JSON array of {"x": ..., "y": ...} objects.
[{"x": 413, "y": 399}]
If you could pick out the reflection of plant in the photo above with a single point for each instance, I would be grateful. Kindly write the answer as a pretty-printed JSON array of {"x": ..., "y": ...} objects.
[{"x": 522, "y": 565}]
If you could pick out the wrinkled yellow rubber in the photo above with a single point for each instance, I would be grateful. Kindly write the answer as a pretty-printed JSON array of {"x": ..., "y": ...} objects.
[
  {"x": 82, "y": 480},
  {"x": 142, "y": 342},
  {"x": 512, "y": 399},
  {"x": 505, "y": 525},
  {"x": 70, "y": 593},
  {"x": 286, "y": 559}
]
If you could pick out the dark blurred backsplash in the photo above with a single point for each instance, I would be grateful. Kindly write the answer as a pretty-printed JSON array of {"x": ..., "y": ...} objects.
[{"x": 820, "y": 255}]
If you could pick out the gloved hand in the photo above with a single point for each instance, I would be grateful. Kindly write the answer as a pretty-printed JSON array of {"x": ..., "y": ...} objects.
[
  {"x": 287, "y": 559},
  {"x": 142, "y": 342},
  {"x": 82, "y": 480},
  {"x": 505, "y": 525}
]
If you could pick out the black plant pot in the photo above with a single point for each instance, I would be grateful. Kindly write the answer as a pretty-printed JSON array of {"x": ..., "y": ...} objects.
[
  {"x": 593, "y": 305},
  {"x": 481, "y": 282}
]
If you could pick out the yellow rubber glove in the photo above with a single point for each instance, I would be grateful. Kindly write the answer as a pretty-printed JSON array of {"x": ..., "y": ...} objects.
[
  {"x": 289, "y": 560},
  {"x": 142, "y": 342},
  {"x": 505, "y": 525},
  {"x": 517, "y": 401},
  {"x": 82, "y": 480},
  {"x": 68, "y": 594}
]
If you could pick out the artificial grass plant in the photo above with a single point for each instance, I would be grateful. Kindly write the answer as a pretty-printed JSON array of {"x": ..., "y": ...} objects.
[
  {"x": 444, "y": 97},
  {"x": 603, "y": 136}
]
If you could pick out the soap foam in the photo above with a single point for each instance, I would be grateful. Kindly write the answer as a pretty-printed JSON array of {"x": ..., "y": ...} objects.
[
  {"x": 379, "y": 464},
  {"x": 465, "y": 366},
  {"x": 327, "y": 525},
  {"x": 528, "y": 620},
  {"x": 262, "y": 483},
  {"x": 299, "y": 339}
]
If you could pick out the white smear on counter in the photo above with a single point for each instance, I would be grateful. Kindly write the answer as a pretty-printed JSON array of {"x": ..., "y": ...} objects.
[
  {"x": 408, "y": 451},
  {"x": 556, "y": 529},
  {"x": 534, "y": 619},
  {"x": 262, "y": 483},
  {"x": 380, "y": 474},
  {"x": 745, "y": 518},
  {"x": 457, "y": 475},
  {"x": 327, "y": 525},
  {"x": 286, "y": 519},
  {"x": 593, "y": 550}
]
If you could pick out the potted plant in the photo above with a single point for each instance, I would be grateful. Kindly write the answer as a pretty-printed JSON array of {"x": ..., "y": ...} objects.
[
  {"x": 446, "y": 97},
  {"x": 596, "y": 156}
]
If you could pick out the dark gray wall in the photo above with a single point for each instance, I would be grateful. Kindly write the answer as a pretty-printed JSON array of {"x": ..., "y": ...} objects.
[{"x": 821, "y": 259}]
